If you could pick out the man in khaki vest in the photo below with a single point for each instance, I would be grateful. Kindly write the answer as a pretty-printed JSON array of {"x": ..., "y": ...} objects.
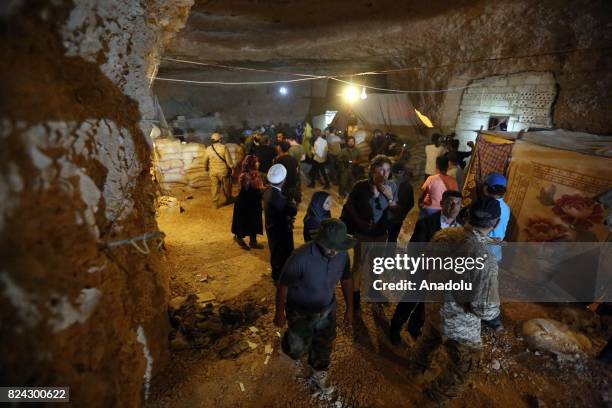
[{"x": 218, "y": 163}]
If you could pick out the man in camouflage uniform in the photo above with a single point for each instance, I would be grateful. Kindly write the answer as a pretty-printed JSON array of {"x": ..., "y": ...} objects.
[
  {"x": 348, "y": 162},
  {"x": 218, "y": 162},
  {"x": 456, "y": 322}
]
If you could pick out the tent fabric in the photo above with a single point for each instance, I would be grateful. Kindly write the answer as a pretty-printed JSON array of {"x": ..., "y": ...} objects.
[
  {"x": 581, "y": 142},
  {"x": 386, "y": 110},
  {"x": 392, "y": 113},
  {"x": 551, "y": 191},
  {"x": 551, "y": 194},
  {"x": 318, "y": 122}
]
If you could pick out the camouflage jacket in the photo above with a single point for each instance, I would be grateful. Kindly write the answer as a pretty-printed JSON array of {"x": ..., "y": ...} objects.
[
  {"x": 349, "y": 156},
  {"x": 219, "y": 162},
  {"x": 460, "y": 317}
]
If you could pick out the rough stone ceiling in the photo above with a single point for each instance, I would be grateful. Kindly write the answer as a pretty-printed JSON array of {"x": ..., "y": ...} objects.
[
  {"x": 348, "y": 36},
  {"x": 313, "y": 34}
]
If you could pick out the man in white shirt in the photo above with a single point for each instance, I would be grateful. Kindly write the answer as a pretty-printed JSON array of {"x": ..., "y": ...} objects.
[
  {"x": 333, "y": 152},
  {"x": 432, "y": 152},
  {"x": 319, "y": 156}
]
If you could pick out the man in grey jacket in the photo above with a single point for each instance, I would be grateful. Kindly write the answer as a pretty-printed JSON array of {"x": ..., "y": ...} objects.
[{"x": 456, "y": 322}]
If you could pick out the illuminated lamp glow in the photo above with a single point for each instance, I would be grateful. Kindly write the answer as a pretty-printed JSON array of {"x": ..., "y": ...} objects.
[
  {"x": 424, "y": 119},
  {"x": 351, "y": 94}
]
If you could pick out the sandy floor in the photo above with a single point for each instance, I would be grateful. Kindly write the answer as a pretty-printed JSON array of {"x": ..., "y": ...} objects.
[{"x": 366, "y": 370}]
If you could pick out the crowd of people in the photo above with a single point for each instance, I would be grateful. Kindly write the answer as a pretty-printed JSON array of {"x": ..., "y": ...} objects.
[{"x": 379, "y": 196}]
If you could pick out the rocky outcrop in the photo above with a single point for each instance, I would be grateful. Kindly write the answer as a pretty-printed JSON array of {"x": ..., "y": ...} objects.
[
  {"x": 442, "y": 44},
  {"x": 74, "y": 121}
]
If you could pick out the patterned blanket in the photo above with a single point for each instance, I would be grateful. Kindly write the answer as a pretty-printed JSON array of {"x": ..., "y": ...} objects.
[
  {"x": 551, "y": 194},
  {"x": 490, "y": 155}
]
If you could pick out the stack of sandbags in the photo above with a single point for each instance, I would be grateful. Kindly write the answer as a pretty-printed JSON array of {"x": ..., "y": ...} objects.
[
  {"x": 170, "y": 166},
  {"x": 193, "y": 162},
  {"x": 181, "y": 165}
]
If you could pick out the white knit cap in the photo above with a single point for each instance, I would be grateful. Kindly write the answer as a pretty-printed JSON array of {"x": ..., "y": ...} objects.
[{"x": 277, "y": 173}]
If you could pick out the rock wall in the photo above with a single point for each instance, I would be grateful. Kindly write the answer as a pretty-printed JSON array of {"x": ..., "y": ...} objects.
[
  {"x": 568, "y": 40},
  {"x": 255, "y": 104},
  {"x": 75, "y": 114},
  {"x": 448, "y": 44}
]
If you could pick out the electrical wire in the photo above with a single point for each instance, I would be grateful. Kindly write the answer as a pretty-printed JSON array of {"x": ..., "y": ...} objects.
[
  {"x": 398, "y": 90},
  {"x": 285, "y": 81},
  {"x": 393, "y": 70},
  {"x": 208, "y": 64},
  {"x": 310, "y": 77},
  {"x": 307, "y": 79}
]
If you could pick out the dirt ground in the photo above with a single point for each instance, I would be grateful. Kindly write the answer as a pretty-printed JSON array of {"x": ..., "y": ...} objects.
[{"x": 366, "y": 369}]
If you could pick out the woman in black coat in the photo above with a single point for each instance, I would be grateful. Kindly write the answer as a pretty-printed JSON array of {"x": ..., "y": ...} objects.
[{"x": 247, "y": 218}]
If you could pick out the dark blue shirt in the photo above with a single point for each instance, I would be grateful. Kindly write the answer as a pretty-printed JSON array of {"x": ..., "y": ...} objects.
[{"x": 312, "y": 277}]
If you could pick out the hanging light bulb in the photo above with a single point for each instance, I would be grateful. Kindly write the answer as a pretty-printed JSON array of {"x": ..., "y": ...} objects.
[
  {"x": 351, "y": 94},
  {"x": 364, "y": 95}
]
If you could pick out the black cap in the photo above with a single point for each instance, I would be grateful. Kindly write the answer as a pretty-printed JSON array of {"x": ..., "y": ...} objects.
[
  {"x": 332, "y": 234},
  {"x": 484, "y": 212}
]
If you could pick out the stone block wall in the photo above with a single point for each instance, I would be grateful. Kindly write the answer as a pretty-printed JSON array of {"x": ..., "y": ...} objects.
[{"x": 527, "y": 99}]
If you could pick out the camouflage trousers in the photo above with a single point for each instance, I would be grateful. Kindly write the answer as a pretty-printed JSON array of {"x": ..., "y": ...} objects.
[
  {"x": 346, "y": 181},
  {"x": 462, "y": 361},
  {"x": 221, "y": 179},
  {"x": 312, "y": 334}
]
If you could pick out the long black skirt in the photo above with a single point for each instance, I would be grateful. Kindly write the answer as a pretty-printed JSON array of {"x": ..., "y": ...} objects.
[{"x": 247, "y": 218}]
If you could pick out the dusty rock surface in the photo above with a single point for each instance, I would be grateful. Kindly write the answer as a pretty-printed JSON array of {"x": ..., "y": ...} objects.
[
  {"x": 366, "y": 369},
  {"x": 555, "y": 337},
  {"x": 441, "y": 44},
  {"x": 74, "y": 177}
]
